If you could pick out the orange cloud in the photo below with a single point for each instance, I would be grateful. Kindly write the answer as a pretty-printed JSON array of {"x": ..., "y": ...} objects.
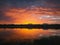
[{"x": 21, "y": 15}]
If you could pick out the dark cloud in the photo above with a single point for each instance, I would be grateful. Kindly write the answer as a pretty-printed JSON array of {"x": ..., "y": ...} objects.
[
  {"x": 26, "y": 3},
  {"x": 54, "y": 1}
]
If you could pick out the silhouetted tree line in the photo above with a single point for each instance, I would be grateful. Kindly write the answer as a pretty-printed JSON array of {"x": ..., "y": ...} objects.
[{"x": 31, "y": 26}]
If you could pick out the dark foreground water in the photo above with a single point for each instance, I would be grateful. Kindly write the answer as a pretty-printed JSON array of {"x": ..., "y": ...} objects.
[{"x": 29, "y": 37}]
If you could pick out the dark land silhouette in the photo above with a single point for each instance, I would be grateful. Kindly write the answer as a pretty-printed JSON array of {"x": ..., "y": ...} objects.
[{"x": 31, "y": 26}]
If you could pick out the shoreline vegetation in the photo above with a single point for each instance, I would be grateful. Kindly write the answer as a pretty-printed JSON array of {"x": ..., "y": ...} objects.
[{"x": 31, "y": 26}]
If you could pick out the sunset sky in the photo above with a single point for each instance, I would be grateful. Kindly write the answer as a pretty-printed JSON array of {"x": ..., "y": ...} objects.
[{"x": 29, "y": 12}]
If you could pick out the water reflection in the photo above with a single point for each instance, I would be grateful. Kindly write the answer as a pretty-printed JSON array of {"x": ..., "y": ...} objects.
[{"x": 22, "y": 34}]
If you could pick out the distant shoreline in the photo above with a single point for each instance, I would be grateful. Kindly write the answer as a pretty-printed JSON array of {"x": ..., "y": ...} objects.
[{"x": 31, "y": 26}]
